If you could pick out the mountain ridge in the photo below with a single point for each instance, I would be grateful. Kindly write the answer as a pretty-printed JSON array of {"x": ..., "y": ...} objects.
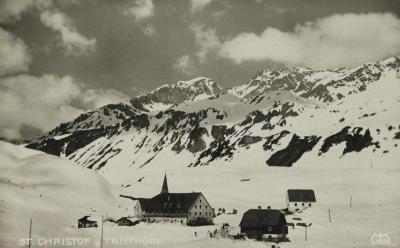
[{"x": 281, "y": 126}]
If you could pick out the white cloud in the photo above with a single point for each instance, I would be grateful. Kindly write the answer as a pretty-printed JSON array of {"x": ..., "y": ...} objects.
[
  {"x": 198, "y": 5},
  {"x": 96, "y": 98},
  {"x": 218, "y": 14},
  {"x": 140, "y": 9},
  {"x": 71, "y": 39},
  {"x": 206, "y": 41},
  {"x": 13, "y": 53},
  {"x": 46, "y": 101},
  {"x": 41, "y": 102},
  {"x": 11, "y": 10},
  {"x": 338, "y": 40},
  {"x": 185, "y": 65}
]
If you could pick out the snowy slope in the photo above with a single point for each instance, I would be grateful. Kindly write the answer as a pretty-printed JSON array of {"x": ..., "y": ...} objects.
[
  {"x": 73, "y": 192},
  {"x": 54, "y": 192}
]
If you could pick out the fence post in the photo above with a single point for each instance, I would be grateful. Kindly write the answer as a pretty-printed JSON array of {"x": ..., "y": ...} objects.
[
  {"x": 329, "y": 214},
  {"x": 30, "y": 233}
]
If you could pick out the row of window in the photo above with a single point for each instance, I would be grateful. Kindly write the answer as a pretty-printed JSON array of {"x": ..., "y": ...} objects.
[
  {"x": 195, "y": 213},
  {"x": 195, "y": 206},
  {"x": 303, "y": 204}
]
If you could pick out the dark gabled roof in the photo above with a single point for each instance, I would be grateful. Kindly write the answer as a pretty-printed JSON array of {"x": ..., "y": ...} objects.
[
  {"x": 143, "y": 201},
  {"x": 301, "y": 195},
  {"x": 262, "y": 217},
  {"x": 171, "y": 203}
]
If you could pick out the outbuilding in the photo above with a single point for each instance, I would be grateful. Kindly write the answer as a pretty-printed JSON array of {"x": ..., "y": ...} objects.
[
  {"x": 84, "y": 222},
  {"x": 300, "y": 199},
  {"x": 264, "y": 224},
  {"x": 127, "y": 221}
]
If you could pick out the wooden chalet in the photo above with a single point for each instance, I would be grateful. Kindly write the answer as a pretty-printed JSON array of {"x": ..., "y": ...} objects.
[{"x": 264, "y": 224}]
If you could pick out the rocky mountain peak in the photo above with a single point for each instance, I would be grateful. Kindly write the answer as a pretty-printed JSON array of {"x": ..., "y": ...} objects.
[{"x": 179, "y": 92}]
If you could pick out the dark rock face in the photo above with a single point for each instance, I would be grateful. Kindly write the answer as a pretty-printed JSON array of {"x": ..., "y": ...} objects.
[
  {"x": 185, "y": 120},
  {"x": 283, "y": 110},
  {"x": 103, "y": 153},
  {"x": 293, "y": 152},
  {"x": 178, "y": 147},
  {"x": 274, "y": 140},
  {"x": 355, "y": 140},
  {"x": 219, "y": 149},
  {"x": 196, "y": 143},
  {"x": 93, "y": 120},
  {"x": 320, "y": 92},
  {"x": 138, "y": 121},
  {"x": 218, "y": 132},
  {"x": 248, "y": 140},
  {"x": 71, "y": 143}
]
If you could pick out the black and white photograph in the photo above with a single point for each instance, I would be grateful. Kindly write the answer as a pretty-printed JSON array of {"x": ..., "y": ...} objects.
[{"x": 199, "y": 123}]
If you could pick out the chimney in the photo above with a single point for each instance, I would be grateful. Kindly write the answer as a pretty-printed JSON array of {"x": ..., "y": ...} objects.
[{"x": 259, "y": 207}]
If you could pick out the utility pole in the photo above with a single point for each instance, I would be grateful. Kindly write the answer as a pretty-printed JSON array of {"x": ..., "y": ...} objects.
[
  {"x": 30, "y": 234},
  {"x": 329, "y": 214},
  {"x": 101, "y": 239},
  {"x": 351, "y": 200},
  {"x": 305, "y": 228}
]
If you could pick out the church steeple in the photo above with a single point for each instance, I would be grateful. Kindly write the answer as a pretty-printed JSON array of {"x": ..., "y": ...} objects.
[{"x": 164, "y": 188}]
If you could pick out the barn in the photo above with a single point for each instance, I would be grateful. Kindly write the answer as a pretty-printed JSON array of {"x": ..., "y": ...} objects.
[
  {"x": 126, "y": 221},
  {"x": 300, "y": 199},
  {"x": 264, "y": 224},
  {"x": 84, "y": 222}
]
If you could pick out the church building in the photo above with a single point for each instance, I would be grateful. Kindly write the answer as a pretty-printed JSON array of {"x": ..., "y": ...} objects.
[{"x": 186, "y": 208}]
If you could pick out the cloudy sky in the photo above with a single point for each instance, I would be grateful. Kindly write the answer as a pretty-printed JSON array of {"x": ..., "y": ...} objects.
[{"x": 60, "y": 58}]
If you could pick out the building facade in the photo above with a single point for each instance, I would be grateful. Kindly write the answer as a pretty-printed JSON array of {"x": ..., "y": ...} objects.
[
  {"x": 185, "y": 208},
  {"x": 264, "y": 224},
  {"x": 300, "y": 199}
]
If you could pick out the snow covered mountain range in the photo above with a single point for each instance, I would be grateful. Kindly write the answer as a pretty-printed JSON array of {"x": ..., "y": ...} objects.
[{"x": 289, "y": 117}]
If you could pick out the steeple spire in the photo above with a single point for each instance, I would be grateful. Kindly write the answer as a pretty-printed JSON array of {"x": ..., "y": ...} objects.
[{"x": 164, "y": 188}]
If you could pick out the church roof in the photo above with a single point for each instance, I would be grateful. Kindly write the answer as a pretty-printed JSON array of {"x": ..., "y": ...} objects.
[
  {"x": 171, "y": 203},
  {"x": 164, "y": 188}
]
